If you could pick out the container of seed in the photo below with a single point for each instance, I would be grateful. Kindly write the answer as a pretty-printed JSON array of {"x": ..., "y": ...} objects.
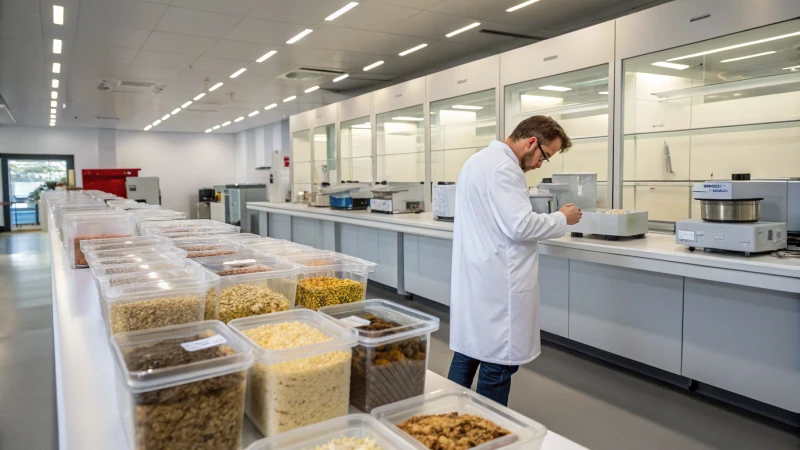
[
  {"x": 122, "y": 243},
  {"x": 182, "y": 387},
  {"x": 94, "y": 255},
  {"x": 252, "y": 284},
  {"x": 59, "y": 209},
  {"x": 328, "y": 278},
  {"x": 113, "y": 267},
  {"x": 391, "y": 359},
  {"x": 270, "y": 247},
  {"x": 81, "y": 227},
  {"x": 204, "y": 246},
  {"x": 186, "y": 226},
  {"x": 352, "y": 432},
  {"x": 154, "y": 215},
  {"x": 152, "y": 305},
  {"x": 170, "y": 253},
  {"x": 302, "y": 370},
  {"x": 243, "y": 237}
]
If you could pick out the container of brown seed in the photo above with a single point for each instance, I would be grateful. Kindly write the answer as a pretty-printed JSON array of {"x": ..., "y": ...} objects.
[
  {"x": 252, "y": 284},
  {"x": 182, "y": 387},
  {"x": 391, "y": 358},
  {"x": 329, "y": 278},
  {"x": 94, "y": 225},
  {"x": 205, "y": 246}
]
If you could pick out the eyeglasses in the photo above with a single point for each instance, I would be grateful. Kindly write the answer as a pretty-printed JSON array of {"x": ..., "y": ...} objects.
[{"x": 544, "y": 155}]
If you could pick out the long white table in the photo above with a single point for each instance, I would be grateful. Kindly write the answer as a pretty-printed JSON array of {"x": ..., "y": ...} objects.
[{"x": 88, "y": 413}]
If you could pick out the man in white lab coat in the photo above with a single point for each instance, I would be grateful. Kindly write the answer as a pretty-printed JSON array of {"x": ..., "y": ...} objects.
[{"x": 494, "y": 293}]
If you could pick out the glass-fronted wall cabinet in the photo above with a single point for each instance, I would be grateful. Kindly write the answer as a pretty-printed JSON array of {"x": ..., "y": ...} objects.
[
  {"x": 707, "y": 110},
  {"x": 356, "y": 155},
  {"x": 301, "y": 164},
  {"x": 401, "y": 145},
  {"x": 325, "y": 170}
]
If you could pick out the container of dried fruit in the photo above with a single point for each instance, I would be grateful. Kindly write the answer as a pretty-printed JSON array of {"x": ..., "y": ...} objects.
[
  {"x": 152, "y": 305},
  {"x": 204, "y": 246},
  {"x": 252, "y": 284},
  {"x": 391, "y": 358},
  {"x": 355, "y": 431},
  {"x": 302, "y": 370},
  {"x": 328, "y": 278},
  {"x": 80, "y": 227},
  {"x": 457, "y": 413},
  {"x": 182, "y": 387}
]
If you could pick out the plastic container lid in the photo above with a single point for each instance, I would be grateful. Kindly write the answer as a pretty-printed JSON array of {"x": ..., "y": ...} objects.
[
  {"x": 100, "y": 270},
  {"x": 242, "y": 237},
  {"x": 196, "y": 232},
  {"x": 94, "y": 255},
  {"x": 187, "y": 338},
  {"x": 524, "y": 431},
  {"x": 224, "y": 265},
  {"x": 316, "y": 262},
  {"x": 412, "y": 323},
  {"x": 173, "y": 253},
  {"x": 120, "y": 243},
  {"x": 354, "y": 425}
]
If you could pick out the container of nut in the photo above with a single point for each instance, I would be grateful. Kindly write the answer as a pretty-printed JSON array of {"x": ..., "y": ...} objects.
[
  {"x": 182, "y": 386},
  {"x": 329, "y": 278},
  {"x": 391, "y": 358},
  {"x": 79, "y": 227},
  {"x": 252, "y": 284}
]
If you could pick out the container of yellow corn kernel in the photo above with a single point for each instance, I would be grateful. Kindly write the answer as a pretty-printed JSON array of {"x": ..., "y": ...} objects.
[{"x": 329, "y": 278}]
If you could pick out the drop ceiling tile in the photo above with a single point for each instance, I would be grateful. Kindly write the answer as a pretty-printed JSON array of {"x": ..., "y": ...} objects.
[
  {"x": 235, "y": 7},
  {"x": 196, "y": 23},
  {"x": 494, "y": 10},
  {"x": 178, "y": 43},
  {"x": 151, "y": 73},
  {"x": 219, "y": 66},
  {"x": 334, "y": 38},
  {"x": 111, "y": 35},
  {"x": 20, "y": 6},
  {"x": 20, "y": 24},
  {"x": 419, "y": 4},
  {"x": 374, "y": 16},
  {"x": 92, "y": 70},
  {"x": 305, "y": 12},
  {"x": 387, "y": 44},
  {"x": 430, "y": 25},
  {"x": 123, "y": 13},
  {"x": 238, "y": 50},
  {"x": 106, "y": 54},
  {"x": 163, "y": 60},
  {"x": 193, "y": 77},
  {"x": 263, "y": 32}
]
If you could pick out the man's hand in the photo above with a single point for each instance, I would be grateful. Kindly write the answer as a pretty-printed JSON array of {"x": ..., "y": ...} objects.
[{"x": 572, "y": 212}]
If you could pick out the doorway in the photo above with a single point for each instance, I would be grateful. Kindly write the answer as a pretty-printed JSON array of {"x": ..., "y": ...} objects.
[{"x": 24, "y": 177}]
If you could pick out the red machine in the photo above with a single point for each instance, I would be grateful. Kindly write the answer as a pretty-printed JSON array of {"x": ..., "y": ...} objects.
[{"x": 108, "y": 180}]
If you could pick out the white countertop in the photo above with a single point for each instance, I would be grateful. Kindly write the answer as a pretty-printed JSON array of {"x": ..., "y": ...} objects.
[{"x": 87, "y": 409}]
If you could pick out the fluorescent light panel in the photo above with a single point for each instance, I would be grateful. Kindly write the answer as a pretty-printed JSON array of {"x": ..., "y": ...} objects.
[
  {"x": 555, "y": 88},
  {"x": 199, "y": 96},
  {"x": 53, "y": 111},
  {"x": 238, "y": 72},
  {"x": 54, "y": 84},
  {"x": 226, "y": 123},
  {"x": 209, "y": 130},
  {"x": 467, "y": 107},
  {"x": 56, "y": 67},
  {"x": 342, "y": 10},
  {"x": 413, "y": 49},
  {"x": 670, "y": 65},
  {"x": 58, "y": 15},
  {"x": 254, "y": 113},
  {"x": 215, "y": 127},
  {"x": 603, "y": 92},
  {"x": 266, "y": 56},
  {"x": 408, "y": 119},
  {"x": 270, "y": 106},
  {"x": 52, "y": 116},
  {"x": 186, "y": 105},
  {"x": 340, "y": 78},
  {"x": 54, "y": 95},
  {"x": 148, "y": 127},
  {"x": 793, "y": 68},
  {"x": 56, "y": 46},
  {"x": 302, "y": 34},
  {"x": 311, "y": 89},
  {"x": 175, "y": 111},
  {"x": 165, "y": 117},
  {"x": 521, "y": 5},
  {"x": 731, "y": 47},
  {"x": 461, "y": 30},
  {"x": 373, "y": 65},
  {"x": 155, "y": 124},
  {"x": 215, "y": 87},
  {"x": 239, "y": 119},
  {"x": 288, "y": 99},
  {"x": 747, "y": 57},
  {"x": 53, "y": 104},
  {"x": 52, "y": 124}
]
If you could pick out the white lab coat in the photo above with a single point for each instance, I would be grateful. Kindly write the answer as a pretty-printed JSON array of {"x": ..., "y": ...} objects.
[{"x": 494, "y": 292}]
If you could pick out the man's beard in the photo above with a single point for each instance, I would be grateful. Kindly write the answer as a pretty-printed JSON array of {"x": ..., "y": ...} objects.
[{"x": 527, "y": 162}]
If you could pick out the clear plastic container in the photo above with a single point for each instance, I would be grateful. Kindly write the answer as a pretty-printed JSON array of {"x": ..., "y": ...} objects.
[
  {"x": 294, "y": 385},
  {"x": 152, "y": 305},
  {"x": 199, "y": 232},
  {"x": 205, "y": 246},
  {"x": 121, "y": 243},
  {"x": 355, "y": 426},
  {"x": 122, "y": 264},
  {"x": 153, "y": 215},
  {"x": 289, "y": 252},
  {"x": 252, "y": 284},
  {"x": 82, "y": 227},
  {"x": 525, "y": 433},
  {"x": 391, "y": 359},
  {"x": 94, "y": 255},
  {"x": 59, "y": 209},
  {"x": 115, "y": 268},
  {"x": 178, "y": 226},
  {"x": 182, "y": 387},
  {"x": 327, "y": 279},
  {"x": 243, "y": 237}
]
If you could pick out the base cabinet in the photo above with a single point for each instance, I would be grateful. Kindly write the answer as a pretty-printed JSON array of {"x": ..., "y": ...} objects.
[
  {"x": 279, "y": 226},
  {"x": 554, "y": 295},
  {"x": 379, "y": 246},
  {"x": 427, "y": 262}
]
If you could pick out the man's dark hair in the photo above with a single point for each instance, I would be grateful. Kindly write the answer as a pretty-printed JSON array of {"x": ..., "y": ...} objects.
[{"x": 543, "y": 128}]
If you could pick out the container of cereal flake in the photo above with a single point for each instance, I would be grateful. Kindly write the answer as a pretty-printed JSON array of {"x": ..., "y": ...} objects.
[
  {"x": 302, "y": 370},
  {"x": 152, "y": 305},
  {"x": 182, "y": 387},
  {"x": 452, "y": 414},
  {"x": 327, "y": 279},
  {"x": 391, "y": 358},
  {"x": 252, "y": 284},
  {"x": 77, "y": 228},
  {"x": 353, "y": 432}
]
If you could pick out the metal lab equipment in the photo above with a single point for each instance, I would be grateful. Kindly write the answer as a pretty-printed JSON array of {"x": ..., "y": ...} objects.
[
  {"x": 444, "y": 201},
  {"x": 144, "y": 190},
  {"x": 397, "y": 198},
  {"x": 235, "y": 197},
  {"x": 348, "y": 195}
]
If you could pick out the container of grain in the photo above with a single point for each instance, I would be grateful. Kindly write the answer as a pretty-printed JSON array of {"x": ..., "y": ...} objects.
[
  {"x": 113, "y": 268},
  {"x": 391, "y": 358},
  {"x": 204, "y": 246},
  {"x": 171, "y": 253},
  {"x": 279, "y": 247},
  {"x": 59, "y": 209},
  {"x": 243, "y": 237},
  {"x": 80, "y": 227},
  {"x": 188, "y": 226},
  {"x": 182, "y": 387},
  {"x": 452, "y": 416},
  {"x": 252, "y": 284},
  {"x": 152, "y": 305},
  {"x": 302, "y": 371},
  {"x": 122, "y": 243},
  {"x": 328, "y": 278},
  {"x": 353, "y": 432},
  {"x": 95, "y": 255}
]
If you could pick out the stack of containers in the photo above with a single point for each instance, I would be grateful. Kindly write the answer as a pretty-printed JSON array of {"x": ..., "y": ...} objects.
[
  {"x": 63, "y": 207},
  {"x": 155, "y": 215},
  {"x": 328, "y": 278},
  {"x": 82, "y": 226},
  {"x": 188, "y": 228}
]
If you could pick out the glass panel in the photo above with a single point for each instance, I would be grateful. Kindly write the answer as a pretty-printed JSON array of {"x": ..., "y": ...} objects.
[
  {"x": 707, "y": 110},
  {"x": 401, "y": 145},
  {"x": 356, "y": 148},
  {"x": 26, "y": 180},
  {"x": 460, "y": 126},
  {"x": 301, "y": 166},
  {"x": 578, "y": 100},
  {"x": 325, "y": 154}
]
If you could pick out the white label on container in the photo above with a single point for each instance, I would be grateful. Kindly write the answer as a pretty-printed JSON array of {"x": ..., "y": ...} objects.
[
  {"x": 686, "y": 235},
  {"x": 355, "y": 321},
  {"x": 204, "y": 343}
]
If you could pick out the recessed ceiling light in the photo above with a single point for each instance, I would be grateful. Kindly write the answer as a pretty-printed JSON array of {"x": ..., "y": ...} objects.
[
  {"x": 175, "y": 111},
  {"x": 413, "y": 49},
  {"x": 254, "y": 113},
  {"x": 56, "y": 46},
  {"x": 793, "y": 68},
  {"x": 238, "y": 72},
  {"x": 373, "y": 65},
  {"x": 226, "y": 123},
  {"x": 165, "y": 117},
  {"x": 239, "y": 119},
  {"x": 302, "y": 34},
  {"x": 362, "y": 126},
  {"x": 340, "y": 78},
  {"x": 53, "y": 104},
  {"x": 271, "y": 105},
  {"x": 158, "y": 121},
  {"x": 53, "y": 111},
  {"x": 731, "y": 47},
  {"x": 266, "y": 56},
  {"x": 555, "y": 88},
  {"x": 311, "y": 89},
  {"x": 467, "y": 107},
  {"x": 54, "y": 83},
  {"x": 342, "y": 10},
  {"x": 199, "y": 96},
  {"x": 209, "y": 130},
  {"x": 670, "y": 65},
  {"x": 186, "y": 105},
  {"x": 214, "y": 87},
  {"x": 603, "y": 92},
  {"x": 52, "y": 116},
  {"x": 288, "y": 99},
  {"x": 52, "y": 124},
  {"x": 461, "y": 30},
  {"x": 747, "y": 57},
  {"x": 54, "y": 95},
  {"x": 408, "y": 119},
  {"x": 215, "y": 127},
  {"x": 64, "y": 106},
  {"x": 56, "y": 67},
  {"x": 148, "y": 127},
  {"x": 521, "y": 5},
  {"x": 58, "y": 15}
]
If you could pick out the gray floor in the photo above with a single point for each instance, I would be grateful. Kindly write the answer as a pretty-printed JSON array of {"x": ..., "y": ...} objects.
[{"x": 592, "y": 403}]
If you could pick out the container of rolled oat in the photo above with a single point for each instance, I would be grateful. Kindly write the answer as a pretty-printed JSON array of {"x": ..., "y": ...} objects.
[
  {"x": 182, "y": 387},
  {"x": 302, "y": 371},
  {"x": 352, "y": 432}
]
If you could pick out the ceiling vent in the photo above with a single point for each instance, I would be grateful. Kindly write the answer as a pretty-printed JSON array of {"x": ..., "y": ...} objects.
[
  {"x": 308, "y": 74},
  {"x": 129, "y": 87}
]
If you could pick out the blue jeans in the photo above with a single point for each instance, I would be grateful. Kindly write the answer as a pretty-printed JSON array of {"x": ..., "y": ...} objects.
[{"x": 494, "y": 380}]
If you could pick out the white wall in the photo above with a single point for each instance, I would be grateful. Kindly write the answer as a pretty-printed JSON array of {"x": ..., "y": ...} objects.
[{"x": 255, "y": 147}]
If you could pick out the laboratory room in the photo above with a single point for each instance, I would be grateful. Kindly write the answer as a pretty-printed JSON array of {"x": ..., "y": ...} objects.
[{"x": 399, "y": 224}]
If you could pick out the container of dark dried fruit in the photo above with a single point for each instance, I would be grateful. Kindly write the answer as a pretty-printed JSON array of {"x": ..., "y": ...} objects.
[
  {"x": 449, "y": 418},
  {"x": 182, "y": 386},
  {"x": 391, "y": 359}
]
